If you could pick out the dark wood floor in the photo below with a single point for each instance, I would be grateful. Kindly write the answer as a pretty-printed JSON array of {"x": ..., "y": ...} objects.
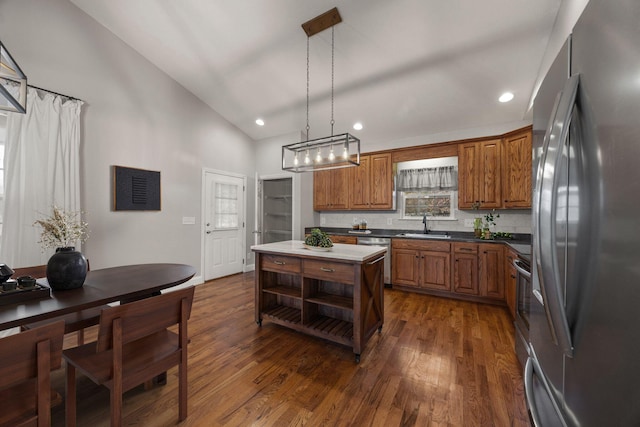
[{"x": 437, "y": 362}]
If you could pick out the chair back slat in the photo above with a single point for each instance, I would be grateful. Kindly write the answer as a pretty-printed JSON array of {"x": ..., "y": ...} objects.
[
  {"x": 19, "y": 355},
  {"x": 141, "y": 318}
]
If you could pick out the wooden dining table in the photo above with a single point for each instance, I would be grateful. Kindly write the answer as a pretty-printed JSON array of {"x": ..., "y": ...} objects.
[{"x": 103, "y": 286}]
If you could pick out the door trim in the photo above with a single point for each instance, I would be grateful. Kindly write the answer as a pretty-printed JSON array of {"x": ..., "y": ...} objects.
[{"x": 203, "y": 190}]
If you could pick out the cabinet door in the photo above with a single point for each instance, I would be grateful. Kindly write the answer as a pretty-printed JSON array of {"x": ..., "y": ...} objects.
[
  {"x": 491, "y": 270},
  {"x": 339, "y": 195},
  {"x": 516, "y": 168},
  {"x": 489, "y": 174},
  {"x": 405, "y": 267},
  {"x": 321, "y": 189},
  {"x": 359, "y": 198},
  {"x": 435, "y": 270},
  {"x": 467, "y": 172},
  {"x": 465, "y": 273},
  {"x": 381, "y": 181},
  {"x": 331, "y": 189},
  {"x": 510, "y": 282}
]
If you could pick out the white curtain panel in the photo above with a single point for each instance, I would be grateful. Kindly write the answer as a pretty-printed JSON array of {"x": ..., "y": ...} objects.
[{"x": 41, "y": 163}]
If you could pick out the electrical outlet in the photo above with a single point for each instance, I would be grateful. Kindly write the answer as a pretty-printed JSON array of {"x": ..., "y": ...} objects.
[
  {"x": 323, "y": 220},
  {"x": 468, "y": 222},
  {"x": 389, "y": 221},
  {"x": 188, "y": 220}
]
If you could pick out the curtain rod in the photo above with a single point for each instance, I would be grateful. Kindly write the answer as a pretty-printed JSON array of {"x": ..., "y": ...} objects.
[{"x": 73, "y": 98}]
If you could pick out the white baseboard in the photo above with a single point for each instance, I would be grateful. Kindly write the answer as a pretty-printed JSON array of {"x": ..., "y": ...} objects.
[{"x": 249, "y": 267}]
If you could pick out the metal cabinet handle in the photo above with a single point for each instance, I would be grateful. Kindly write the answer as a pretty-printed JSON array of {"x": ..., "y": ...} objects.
[
  {"x": 328, "y": 270},
  {"x": 279, "y": 262}
]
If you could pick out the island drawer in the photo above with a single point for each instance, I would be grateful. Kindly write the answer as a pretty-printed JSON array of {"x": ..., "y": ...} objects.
[
  {"x": 280, "y": 263},
  {"x": 329, "y": 270}
]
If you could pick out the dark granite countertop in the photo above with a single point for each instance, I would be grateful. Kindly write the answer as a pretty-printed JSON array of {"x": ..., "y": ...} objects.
[{"x": 520, "y": 242}]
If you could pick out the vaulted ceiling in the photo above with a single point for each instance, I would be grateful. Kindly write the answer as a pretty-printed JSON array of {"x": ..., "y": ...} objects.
[{"x": 403, "y": 68}]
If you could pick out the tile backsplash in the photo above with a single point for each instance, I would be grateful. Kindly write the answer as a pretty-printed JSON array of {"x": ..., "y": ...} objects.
[{"x": 511, "y": 221}]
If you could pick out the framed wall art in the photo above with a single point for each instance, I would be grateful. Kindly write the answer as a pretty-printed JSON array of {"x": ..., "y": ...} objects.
[{"x": 135, "y": 189}]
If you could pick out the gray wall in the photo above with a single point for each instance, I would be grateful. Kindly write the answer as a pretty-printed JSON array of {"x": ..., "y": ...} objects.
[{"x": 135, "y": 115}]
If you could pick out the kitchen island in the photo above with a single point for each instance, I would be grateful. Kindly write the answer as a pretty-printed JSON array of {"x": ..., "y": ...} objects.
[{"x": 336, "y": 295}]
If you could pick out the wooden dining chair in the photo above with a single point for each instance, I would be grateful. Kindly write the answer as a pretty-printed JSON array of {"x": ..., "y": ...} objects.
[
  {"x": 133, "y": 346},
  {"x": 73, "y": 322},
  {"x": 25, "y": 382}
]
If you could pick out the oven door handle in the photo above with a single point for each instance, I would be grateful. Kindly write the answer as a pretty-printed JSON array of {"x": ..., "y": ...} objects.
[{"x": 521, "y": 269}]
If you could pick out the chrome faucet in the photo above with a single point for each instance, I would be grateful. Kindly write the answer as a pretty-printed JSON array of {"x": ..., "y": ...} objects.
[{"x": 425, "y": 221}]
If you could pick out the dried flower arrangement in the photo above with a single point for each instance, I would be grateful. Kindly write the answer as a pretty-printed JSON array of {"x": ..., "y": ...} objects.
[{"x": 62, "y": 229}]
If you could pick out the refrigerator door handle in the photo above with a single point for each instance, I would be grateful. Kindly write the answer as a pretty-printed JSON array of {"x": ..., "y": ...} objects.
[
  {"x": 546, "y": 209},
  {"x": 532, "y": 368}
]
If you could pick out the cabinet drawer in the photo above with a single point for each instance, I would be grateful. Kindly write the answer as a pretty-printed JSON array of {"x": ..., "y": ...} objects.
[
  {"x": 279, "y": 263},
  {"x": 421, "y": 245},
  {"x": 465, "y": 248},
  {"x": 351, "y": 240},
  {"x": 329, "y": 270}
]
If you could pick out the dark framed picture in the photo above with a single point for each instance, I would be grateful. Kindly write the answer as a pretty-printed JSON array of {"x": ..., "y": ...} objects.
[{"x": 135, "y": 189}]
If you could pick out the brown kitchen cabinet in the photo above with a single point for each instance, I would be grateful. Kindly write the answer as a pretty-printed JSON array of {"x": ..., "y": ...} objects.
[
  {"x": 331, "y": 189},
  {"x": 465, "y": 268},
  {"x": 510, "y": 283},
  {"x": 480, "y": 174},
  {"x": 491, "y": 280},
  {"x": 478, "y": 270},
  {"x": 421, "y": 265},
  {"x": 371, "y": 183},
  {"x": 516, "y": 169}
]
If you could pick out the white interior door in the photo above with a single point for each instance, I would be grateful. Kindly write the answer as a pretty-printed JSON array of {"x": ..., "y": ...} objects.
[{"x": 223, "y": 225}]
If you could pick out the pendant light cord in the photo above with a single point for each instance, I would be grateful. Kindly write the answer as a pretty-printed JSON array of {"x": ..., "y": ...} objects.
[
  {"x": 332, "y": 73},
  {"x": 308, "y": 128}
]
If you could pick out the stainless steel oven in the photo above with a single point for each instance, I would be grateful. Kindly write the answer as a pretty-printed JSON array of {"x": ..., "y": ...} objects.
[{"x": 523, "y": 308}]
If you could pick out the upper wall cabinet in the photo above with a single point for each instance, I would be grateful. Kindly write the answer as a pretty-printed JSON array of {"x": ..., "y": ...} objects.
[
  {"x": 331, "y": 189},
  {"x": 516, "y": 169},
  {"x": 496, "y": 173},
  {"x": 372, "y": 183},
  {"x": 480, "y": 174},
  {"x": 365, "y": 187}
]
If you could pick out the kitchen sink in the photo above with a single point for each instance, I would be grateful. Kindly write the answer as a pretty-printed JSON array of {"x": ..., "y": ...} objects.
[{"x": 424, "y": 236}]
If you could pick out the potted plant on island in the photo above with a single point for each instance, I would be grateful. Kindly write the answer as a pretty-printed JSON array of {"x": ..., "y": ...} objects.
[{"x": 67, "y": 268}]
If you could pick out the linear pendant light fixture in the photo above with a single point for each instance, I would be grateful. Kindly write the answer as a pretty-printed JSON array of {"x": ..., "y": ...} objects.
[
  {"x": 13, "y": 84},
  {"x": 330, "y": 152}
]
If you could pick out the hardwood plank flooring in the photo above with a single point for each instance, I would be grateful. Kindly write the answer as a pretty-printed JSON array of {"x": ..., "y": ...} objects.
[{"x": 437, "y": 362}]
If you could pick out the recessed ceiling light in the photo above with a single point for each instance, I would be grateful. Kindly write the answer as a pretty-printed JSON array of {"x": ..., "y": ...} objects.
[
  {"x": 506, "y": 97},
  {"x": 357, "y": 126},
  {"x": 260, "y": 122}
]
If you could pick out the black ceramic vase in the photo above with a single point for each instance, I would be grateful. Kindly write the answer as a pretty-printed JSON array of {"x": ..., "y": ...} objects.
[{"x": 66, "y": 269}]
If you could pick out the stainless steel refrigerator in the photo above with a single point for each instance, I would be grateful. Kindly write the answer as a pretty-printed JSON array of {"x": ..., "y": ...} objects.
[{"x": 584, "y": 364}]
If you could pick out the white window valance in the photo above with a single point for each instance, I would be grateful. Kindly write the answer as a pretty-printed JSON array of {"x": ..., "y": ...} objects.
[{"x": 440, "y": 178}]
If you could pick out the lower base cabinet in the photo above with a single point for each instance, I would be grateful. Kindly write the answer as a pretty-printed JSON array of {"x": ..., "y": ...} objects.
[
  {"x": 423, "y": 265},
  {"x": 463, "y": 270}
]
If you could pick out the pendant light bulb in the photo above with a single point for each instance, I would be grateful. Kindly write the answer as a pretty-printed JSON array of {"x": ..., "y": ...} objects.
[
  {"x": 318, "y": 157},
  {"x": 307, "y": 160},
  {"x": 345, "y": 153},
  {"x": 332, "y": 156},
  {"x": 295, "y": 159}
]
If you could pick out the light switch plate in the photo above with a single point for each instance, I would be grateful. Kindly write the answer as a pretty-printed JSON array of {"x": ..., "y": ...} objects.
[
  {"x": 389, "y": 221},
  {"x": 468, "y": 222},
  {"x": 188, "y": 220}
]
